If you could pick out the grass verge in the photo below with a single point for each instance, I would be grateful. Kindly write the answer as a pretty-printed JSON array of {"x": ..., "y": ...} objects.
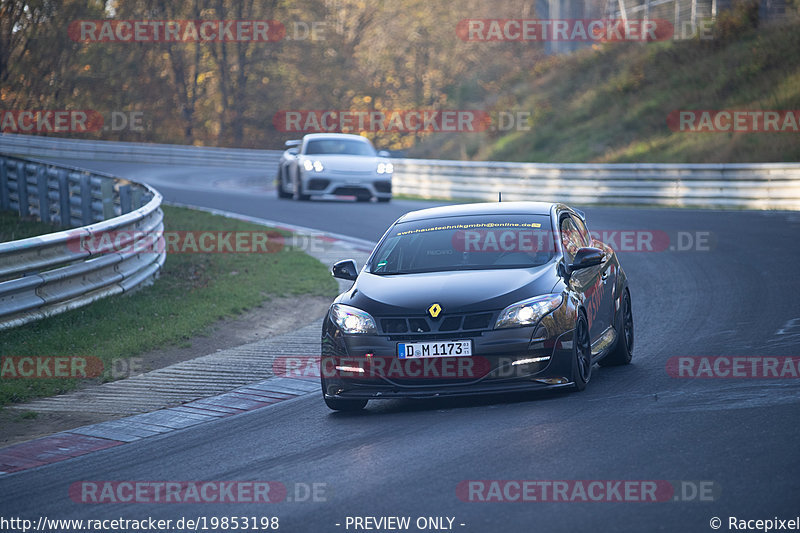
[
  {"x": 193, "y": 291},
  {"x": 13, "y": 228}
]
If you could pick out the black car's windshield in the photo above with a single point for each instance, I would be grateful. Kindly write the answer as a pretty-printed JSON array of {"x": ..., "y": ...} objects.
[
  {"x": 340, "y": 147},
  {"x": 465, "y": 243}
]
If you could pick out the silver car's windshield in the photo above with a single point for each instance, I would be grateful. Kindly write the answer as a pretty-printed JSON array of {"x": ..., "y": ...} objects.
[{"x": 339, "y": 147}]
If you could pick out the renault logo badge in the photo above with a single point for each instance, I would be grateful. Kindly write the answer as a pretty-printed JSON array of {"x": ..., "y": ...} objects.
[{"x": 434, "y": 310}]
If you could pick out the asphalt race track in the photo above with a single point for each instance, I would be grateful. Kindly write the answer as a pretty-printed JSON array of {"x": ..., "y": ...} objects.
[{"x": 735, "y": 296}]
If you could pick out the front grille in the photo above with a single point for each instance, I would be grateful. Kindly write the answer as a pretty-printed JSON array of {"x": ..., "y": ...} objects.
[
  {"x": 317, "y": 184},
  {"x": 394, "y": 325},
  {"x": 418, "y": 325},
  {"x": 383, "y": 186},
  {"x": 447, "y": 324},
  {"x": 351, "y": 191},
  {"x": 430, "y": 337},
  {"x": 480, "y": 321},
  {"x": 358, "y": 173},
  {"x": 451, "y": 323}
]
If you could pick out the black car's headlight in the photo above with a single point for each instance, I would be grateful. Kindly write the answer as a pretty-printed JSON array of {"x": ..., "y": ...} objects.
[
  {"x": 528, "y": 312},
  {"x": 352, "y": 320}
]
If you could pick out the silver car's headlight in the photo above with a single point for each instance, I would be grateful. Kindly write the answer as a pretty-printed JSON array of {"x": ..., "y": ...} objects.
[
  {"x": 316, "y": 166},
  {"x": 385, "y": 168},
  {"x": 352, "y": 320},
  {"x": 528, "y": 312}
]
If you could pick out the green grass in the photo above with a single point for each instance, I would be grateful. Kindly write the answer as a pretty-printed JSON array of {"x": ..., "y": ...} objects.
[
  {"x": 610, "y": 104},
  {"x": 12, "y": 227},
  {"x": 193, "y": 291}
]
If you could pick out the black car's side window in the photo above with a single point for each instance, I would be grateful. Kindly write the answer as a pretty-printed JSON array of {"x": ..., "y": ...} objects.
[
  {"x": 571, "y": 239},
  {"x": 390, "y": 259},
  {"x": 585, "y": 236}
]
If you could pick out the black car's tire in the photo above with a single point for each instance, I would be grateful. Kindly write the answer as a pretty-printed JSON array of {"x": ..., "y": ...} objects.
[
  {"x": 338, "y": 404},
  {"x": 623, "y": 351},
  {"x": 281, "y": 193},
  {"x": 384, "y": 200},
  {"x": 582, "y": 354},
  {"x": 363, "y": 198}
]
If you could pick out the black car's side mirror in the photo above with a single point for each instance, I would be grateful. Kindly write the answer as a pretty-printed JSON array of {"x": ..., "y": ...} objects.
[
  {"x": 584, "y": 258},
  {"x": 345, "y": 269}
]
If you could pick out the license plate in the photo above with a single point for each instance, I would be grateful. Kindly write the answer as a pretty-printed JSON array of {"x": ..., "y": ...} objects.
[{"x": 419, "y": 350}]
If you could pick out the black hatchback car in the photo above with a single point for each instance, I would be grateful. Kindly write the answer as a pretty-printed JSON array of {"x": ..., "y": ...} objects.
[{"x": 476, "y": 299}]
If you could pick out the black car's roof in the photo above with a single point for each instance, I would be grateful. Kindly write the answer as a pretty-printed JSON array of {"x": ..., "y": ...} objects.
[{"x": 493, "y": 208}]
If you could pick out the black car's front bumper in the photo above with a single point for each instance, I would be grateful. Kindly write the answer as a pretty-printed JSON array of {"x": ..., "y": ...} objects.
[{"x": 368, "y": 366}]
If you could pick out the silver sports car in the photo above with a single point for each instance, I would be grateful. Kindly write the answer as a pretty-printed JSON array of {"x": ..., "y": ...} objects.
[{"x": 338, "y": 164}]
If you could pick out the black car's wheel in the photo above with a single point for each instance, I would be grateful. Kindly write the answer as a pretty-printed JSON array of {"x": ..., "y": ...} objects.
[
  {"x": 623, "y": 351},
  {"x": 338, "y": 404},
  {"x": 281, "y": 192},
  {"x": 582, "y": 350},
  {"x": 363, "y": 198},
  {"x": 384, "y": 200}
]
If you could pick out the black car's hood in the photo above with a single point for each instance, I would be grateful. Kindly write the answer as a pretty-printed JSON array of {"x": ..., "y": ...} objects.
[{"x": 457, "y": 292}]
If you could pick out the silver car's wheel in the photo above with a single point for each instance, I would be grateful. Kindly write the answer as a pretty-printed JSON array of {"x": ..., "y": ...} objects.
[
  {"x": 282, "y": 186},
  {"x": 297, "y": 194}
]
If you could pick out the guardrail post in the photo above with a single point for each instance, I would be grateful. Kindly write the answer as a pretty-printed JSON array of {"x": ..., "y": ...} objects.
[
  {"x": 107, "y": 194},
  {"x": 22, "y": 189},
  {"x": 44, "y": 200},
  {"x": 65, "y": 211},
  {"x": 86, "y": 200},
  {"x": 125, "y": 199},
  {"x": 4, "y": 192}
]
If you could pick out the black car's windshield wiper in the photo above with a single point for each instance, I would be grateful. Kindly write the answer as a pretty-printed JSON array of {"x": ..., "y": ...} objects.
[
  {"x": 460, "y": 268},
  {"x": 395, "y": 272}
]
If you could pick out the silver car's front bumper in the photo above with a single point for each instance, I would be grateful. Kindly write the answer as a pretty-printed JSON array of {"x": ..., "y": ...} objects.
[{"x": 323, "y": 184}]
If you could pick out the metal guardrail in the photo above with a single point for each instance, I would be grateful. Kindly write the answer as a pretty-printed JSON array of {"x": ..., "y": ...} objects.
[
  {"x": 49, "y": 274},
  {"x": 743, "y": 186},
  {"x": 127, "y": 152}
]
